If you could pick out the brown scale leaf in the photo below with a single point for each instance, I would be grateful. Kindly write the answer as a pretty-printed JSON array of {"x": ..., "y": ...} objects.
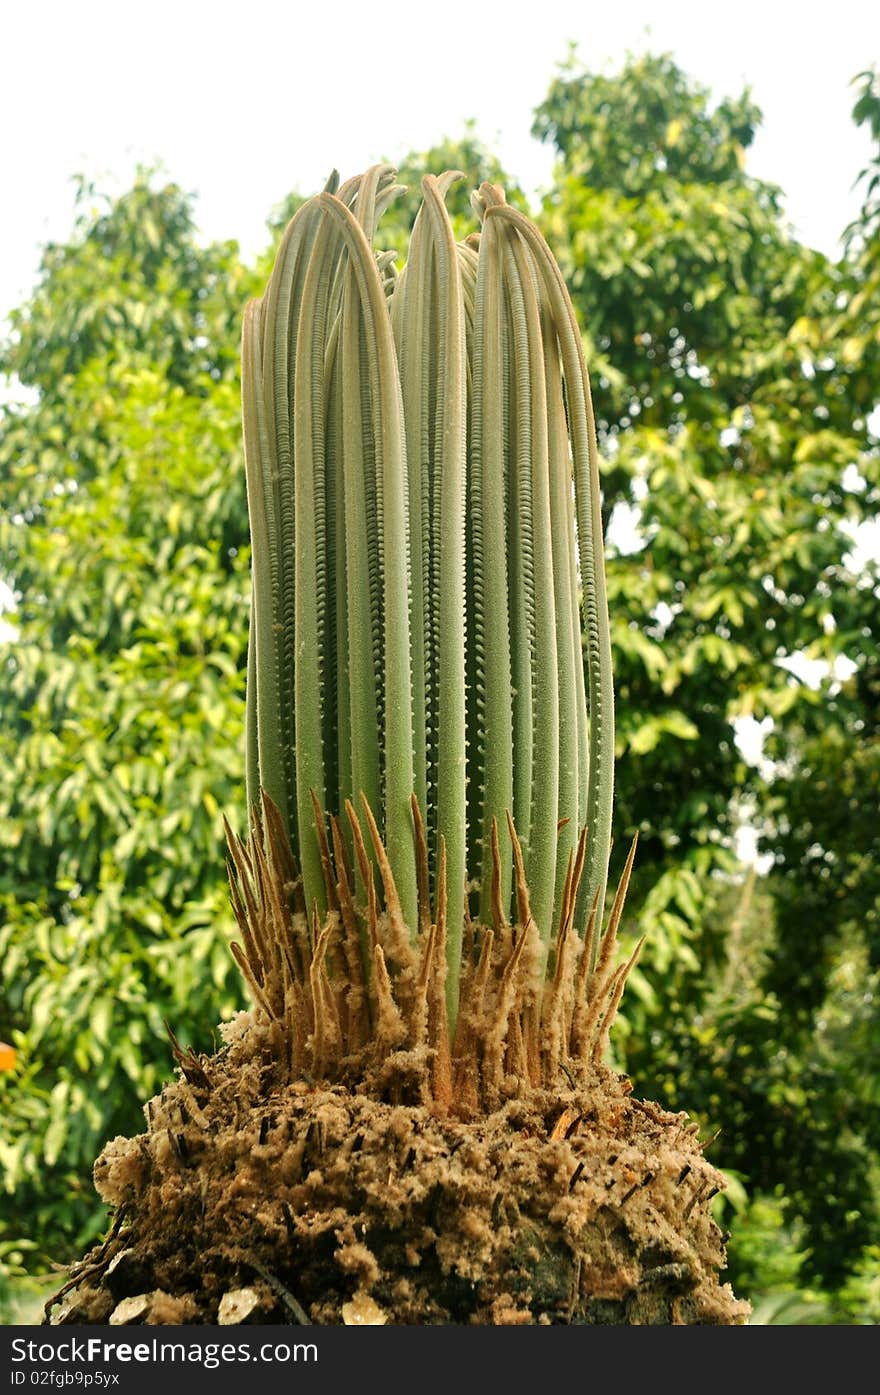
[
  {"x": 499, "y": 920},
  {"x": 422, "y": 874},
  {"x": 351, "y": 995},
  {"x": 324, "y": 852}
]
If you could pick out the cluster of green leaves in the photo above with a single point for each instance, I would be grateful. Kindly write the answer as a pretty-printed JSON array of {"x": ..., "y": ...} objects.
[
  {"x": 792, "y": 1099},
  {"x": 123, "y": 529},
  {"x": 822, "y": 830},
  {"x": 821, "y": 812},
  {"x": 770, "y": 1265}
]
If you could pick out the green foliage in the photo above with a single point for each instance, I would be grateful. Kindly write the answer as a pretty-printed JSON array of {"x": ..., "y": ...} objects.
[
  {"x": 858, "y": 1301},
  {"x": 793, "y": 1100},
  {"x": 822, "y": 826},
  {"x": 644, "y": 128},
  {"x": 13, "y": 1277},
  {"x": 859, "y": 314},
  {"x": 768, "y": 1261},
  {"x": 133, "y": 280},
  {"x": 765, "y": 1257},
  {"x": 122, "y": 689},
  {"x": 824, "y": 836}
]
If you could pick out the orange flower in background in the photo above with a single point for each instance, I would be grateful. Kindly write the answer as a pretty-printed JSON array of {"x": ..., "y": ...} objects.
[{"x": 7, "y": 1056}]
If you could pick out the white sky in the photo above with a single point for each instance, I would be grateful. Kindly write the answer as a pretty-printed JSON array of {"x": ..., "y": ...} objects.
[{"x": 242, "y": 102}]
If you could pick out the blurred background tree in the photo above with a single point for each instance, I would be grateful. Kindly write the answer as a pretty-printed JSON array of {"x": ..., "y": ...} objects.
[
  {"x": 734, "y": 375},
  {"x": 123, "y": 535}
]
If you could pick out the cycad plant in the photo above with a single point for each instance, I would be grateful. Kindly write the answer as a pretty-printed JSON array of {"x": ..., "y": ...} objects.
[
  {"x": 418, "y": 451},
  {"x": 415, "y": 1122}
]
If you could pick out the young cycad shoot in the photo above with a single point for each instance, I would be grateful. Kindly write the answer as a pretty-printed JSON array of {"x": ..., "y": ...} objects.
[{"x": 415, "y": 1122}]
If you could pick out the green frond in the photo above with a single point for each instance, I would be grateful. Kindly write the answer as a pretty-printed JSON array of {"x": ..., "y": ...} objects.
[
  {"x": 493, "y": 717},
  {"x": 582, "y": 431},
  {"x": 390, "y": 448},
  {"x": 424, "y": 498}
]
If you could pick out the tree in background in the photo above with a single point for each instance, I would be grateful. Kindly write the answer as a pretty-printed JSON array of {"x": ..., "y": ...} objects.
[
  {"x": 823, "y": 827},
  {"x": 123, "y": 517}
]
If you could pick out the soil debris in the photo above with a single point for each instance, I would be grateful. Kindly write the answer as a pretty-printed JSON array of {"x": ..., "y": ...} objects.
[{"x": 564, "y": 1205}]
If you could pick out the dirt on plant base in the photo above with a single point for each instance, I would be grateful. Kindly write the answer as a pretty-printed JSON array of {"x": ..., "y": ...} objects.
[{"x": 250, "y": 1200}]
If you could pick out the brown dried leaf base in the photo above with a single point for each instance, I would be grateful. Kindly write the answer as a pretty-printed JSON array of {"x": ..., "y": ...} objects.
[
  {"x": 256, "y": 1198},
  {"x": 360, "y": 997}
]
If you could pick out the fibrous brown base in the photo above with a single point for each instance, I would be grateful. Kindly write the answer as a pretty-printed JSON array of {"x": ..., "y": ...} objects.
[{"x": 254, "y": 1197}]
